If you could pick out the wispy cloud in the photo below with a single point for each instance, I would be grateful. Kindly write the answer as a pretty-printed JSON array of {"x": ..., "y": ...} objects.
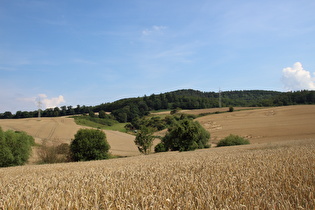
[
  {"x": 297, "y": 78},
  {"x": 153, "y": 29}
]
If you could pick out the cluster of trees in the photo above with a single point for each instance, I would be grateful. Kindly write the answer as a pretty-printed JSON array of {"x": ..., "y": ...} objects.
[
  {"x": 290, "y": 98},
  {"x": 50, "y": 112},
  {"x": 157, "y": 123},
  {"x": 125, "y": 110},
  {"x": 15, "y": 147},
  {"x": 185, "y": 135}
]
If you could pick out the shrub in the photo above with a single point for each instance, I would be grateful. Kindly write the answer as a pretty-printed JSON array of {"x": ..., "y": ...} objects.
[
  {"x": 15, "y": 147},
  {"x": 174, "y": 111},
  {"x": 89, "y": 144},
  {"x": 186, "y": 135},
  {"x": 160, "y": 147},
  {"x": 232, "y": 140},
  {"x": 54, "y": 154},
  {"x": 231, "y": 109}
]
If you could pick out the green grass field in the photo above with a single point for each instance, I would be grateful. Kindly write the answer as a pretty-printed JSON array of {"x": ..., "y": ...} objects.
[{"x": 85, "y": 121}]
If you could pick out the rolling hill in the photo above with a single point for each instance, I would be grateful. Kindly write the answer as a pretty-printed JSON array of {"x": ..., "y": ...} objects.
[{"x": 259, "y": 125}]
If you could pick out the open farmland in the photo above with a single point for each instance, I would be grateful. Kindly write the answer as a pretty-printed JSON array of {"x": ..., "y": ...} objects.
[
  {"x": 57, "y": 130},
  {"x": 258, "y": 125},
  {"x": 263, "y": 125},
  {"x": 259, "y": 176}
]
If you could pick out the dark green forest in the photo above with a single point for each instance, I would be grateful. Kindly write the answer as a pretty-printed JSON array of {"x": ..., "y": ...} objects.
[{"x": 125, "y": 110}]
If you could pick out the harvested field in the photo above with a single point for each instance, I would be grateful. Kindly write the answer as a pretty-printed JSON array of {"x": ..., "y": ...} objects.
[
  {"x": 57, "y": 130},
  {"x": 200, "y": 111},
  {"x": 261, "y": 176},
  {"x": 264, "y": 125},
  {"x": 258, "y": 125}
]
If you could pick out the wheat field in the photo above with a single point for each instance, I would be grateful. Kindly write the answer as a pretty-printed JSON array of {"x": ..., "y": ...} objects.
[{"x": 259, "y": 176}]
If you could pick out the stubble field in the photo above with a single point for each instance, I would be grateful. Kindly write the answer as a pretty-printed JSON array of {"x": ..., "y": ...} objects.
[
  {"x": 264, "y": 125},
  {"x": 57, "y": 130}
]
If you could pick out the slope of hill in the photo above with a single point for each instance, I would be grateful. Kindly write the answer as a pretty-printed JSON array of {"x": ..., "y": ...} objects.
[
  {"x": 57, "y": 130},
  {"x": 127, "y": 109},
  {"x": 260, "y": 125},
  {"x": 264, "y": 125}
]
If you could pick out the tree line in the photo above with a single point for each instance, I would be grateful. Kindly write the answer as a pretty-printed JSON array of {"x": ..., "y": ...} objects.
[{"x": 125, "y": 110}]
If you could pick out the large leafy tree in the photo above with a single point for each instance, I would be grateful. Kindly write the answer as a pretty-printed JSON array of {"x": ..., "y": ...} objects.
[
  {"x": 15, "y": 147},
  {"x": 144, "y": 139},
  {"x": 89, "y": 144},
  {"x": 186, "y": 135}
]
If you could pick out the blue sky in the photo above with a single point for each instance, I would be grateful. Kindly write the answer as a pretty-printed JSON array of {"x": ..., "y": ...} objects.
[{"x": 74, "y": 52}]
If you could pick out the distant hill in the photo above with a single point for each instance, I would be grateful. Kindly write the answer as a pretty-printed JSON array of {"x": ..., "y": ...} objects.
[{"x": 125, "y": 110}]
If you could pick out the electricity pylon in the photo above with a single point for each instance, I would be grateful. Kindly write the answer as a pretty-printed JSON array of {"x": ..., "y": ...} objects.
[{"x": 39, "y": 106}]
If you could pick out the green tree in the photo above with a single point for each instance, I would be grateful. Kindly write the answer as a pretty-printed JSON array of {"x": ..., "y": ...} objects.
[
  {"x": 6, "y": 157},
  {"x": 89, "y": 144},
  {"x": 186, "y": 135},
  {"x": 15, "y": 148},
  {"x": 91, "y": 114},
  {"x": 160, "y": 147},
  {"x": 102, "y": 114},
  {"x": 7, "y": 115},
  {"x": 144, "y": 140}
]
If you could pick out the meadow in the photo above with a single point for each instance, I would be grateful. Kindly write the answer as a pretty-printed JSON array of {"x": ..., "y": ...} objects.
[{"x": 261, "y": 176}]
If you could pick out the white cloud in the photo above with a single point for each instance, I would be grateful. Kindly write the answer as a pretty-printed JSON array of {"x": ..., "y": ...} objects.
[
  {"x": 45, "y": 101},
  {"x": 153, "y": 29},
  {"x": 51, "y": 102},
  {"x": 297, "y": 78}
]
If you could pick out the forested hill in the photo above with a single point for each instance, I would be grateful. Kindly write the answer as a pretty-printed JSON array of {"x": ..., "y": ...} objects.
[
  {"x": 127, "y": 109},
  {"x": 193, "y": 99}
]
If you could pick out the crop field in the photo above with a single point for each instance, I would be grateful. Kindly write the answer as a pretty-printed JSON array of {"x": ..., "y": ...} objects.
[
  {"x": 57, "y": 130},
  {"x": 258, "y": 176},
  {"x": 258, "y": 125},
  {"x": 263, "y": 125}
]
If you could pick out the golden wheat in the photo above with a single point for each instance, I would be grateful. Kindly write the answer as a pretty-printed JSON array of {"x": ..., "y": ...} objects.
[{"x": 266, "y": 176}]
